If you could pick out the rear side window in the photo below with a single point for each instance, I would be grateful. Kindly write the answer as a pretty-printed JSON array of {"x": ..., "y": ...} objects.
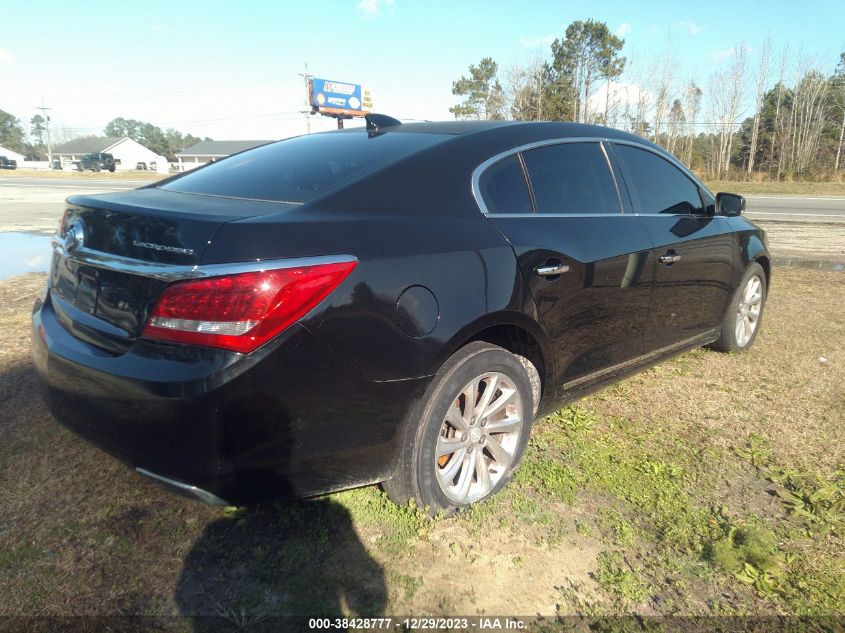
[
  {"x": 504, "y": 189},
  {"x": 304, "y": 168},
  {"x": 571, "y": 178},
  {"x": 659, "y": 186}
]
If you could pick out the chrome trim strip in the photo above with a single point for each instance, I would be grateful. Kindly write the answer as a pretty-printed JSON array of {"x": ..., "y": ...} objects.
[
  {"x": 566, "y": 215},
  {"x": 476, "y": 173},
  {"x": 700, "y": 216},
  {"x": 191, "y": 491},
  {"x": 171, "y": 272},
  {"x": 613, "y": 177},
  {"x": 701, "y": 339},
  {"x": 666, "y": 156}
]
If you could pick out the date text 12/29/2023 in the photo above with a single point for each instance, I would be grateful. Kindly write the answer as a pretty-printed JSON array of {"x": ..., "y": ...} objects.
[{"x": 478, "y": 623}]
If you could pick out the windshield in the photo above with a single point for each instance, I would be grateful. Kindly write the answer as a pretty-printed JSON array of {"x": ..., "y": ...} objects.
[{"x": 304, "y": 168}]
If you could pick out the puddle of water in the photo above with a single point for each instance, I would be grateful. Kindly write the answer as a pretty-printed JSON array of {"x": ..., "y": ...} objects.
[{"x": 23, "y": 253}]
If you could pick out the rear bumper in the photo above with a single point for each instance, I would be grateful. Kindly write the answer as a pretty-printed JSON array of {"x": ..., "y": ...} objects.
[{"x": 289, "y": 420}]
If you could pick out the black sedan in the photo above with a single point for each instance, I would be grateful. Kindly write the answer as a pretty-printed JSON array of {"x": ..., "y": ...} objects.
[{"x": 393, "y": 304}]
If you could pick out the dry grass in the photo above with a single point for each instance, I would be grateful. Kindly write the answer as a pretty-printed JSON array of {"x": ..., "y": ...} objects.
[
  {"x": 72, "y": 174},
  {"x": 619, "y": 507},
  {"x": 779, "y": 188}
]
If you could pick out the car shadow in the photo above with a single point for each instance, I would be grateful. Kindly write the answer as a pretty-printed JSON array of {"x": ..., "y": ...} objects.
[{"x": 273, "y": 567}]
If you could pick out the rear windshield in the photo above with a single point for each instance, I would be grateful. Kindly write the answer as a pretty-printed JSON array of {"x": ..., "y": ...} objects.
[{"x": 302, "y": 168}]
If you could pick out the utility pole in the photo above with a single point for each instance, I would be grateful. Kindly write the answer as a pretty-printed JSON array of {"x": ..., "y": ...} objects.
[
  {"x": 47, "y": 128},
  {"x": 307, "y": 77}
]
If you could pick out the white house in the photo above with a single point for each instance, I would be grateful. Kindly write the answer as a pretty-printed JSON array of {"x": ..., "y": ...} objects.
[
  {"x": 127, "y": 153},
  {"x": 206, "y": 151},
  {"x": 11, "y": 155}
]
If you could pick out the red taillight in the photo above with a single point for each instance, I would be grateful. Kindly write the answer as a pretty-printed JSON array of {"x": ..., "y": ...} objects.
[{"x": 243, "y": 311}]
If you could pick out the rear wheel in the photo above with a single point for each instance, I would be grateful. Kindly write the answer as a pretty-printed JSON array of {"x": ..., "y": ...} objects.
[
  {"x": 473, "y": 424},
  {"x": 745, "y": 313}
]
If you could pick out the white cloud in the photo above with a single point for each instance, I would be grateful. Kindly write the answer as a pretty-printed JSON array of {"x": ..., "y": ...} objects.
[
  {"x": 722, "y": 55},
  {"x": 617, "y": 94},
  {"x": 622, "y": 29},
  {"x": 372, "y": 8},
  {"x": 6, "y": 57},
  {"x": 531, "y": 42},
  {"x": 691, "y": 27}
]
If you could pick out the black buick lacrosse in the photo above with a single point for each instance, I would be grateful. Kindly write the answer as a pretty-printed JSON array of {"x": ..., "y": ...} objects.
[{"x": 393, "y": 304}]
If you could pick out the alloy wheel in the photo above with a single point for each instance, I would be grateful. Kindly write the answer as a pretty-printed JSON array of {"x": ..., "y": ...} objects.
[
  {"x": 479, "y": 437},
  {"x": 748, "y": 310}
]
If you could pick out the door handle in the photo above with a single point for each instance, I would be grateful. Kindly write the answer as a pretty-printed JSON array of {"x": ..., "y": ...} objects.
[
  {"x": 551, "y": 270},
  {"x": 669, "y": 258}
]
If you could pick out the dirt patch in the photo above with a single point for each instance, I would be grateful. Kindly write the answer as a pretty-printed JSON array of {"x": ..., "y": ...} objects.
[{"x": 823, "y": 242}]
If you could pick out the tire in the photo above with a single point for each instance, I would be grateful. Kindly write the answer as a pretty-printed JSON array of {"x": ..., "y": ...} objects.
[
  {"x": 747, "y": 304},
  {"x": 79, "y": 167},
  {"x": 111, "y": 169},
  {"x": 495, "y": 431}
]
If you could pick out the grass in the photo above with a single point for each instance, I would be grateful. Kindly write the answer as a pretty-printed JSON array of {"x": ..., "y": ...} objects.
[
  {"x": 71, "y": 174},
  {"x": 709, "y": 485},
  {"x": 779, "y": 188}
]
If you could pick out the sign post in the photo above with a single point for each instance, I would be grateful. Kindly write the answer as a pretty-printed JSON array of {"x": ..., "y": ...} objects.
[{"x": 339, "y": 99}]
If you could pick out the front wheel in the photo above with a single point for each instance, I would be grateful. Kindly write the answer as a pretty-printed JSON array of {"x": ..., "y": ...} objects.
[
  {"x": 473, "y": 425},
  {"x": 745, "y": 313}
]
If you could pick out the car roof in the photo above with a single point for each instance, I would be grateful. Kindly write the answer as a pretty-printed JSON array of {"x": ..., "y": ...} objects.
[
  {"x": 552, "y": 129},
  {"x": 490, "y": 134}
]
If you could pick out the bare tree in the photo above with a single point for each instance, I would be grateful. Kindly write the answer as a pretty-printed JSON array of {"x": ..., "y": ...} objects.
[
  {"x": 809, "y": 114},
  {"x": 762, "y": 78},
  {"x": 778, "y": 132},
  {"x": 524, "y": 88},
  {"x": 726, "y": 90},
  {"x": 662, "y": 89},
  {"x": 838, "y": 88},
  {"x": 692, "y": 106},
  {"x": 676, "y": 123}
]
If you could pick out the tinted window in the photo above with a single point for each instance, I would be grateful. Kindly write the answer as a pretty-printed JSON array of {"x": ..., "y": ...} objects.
[
  {"x": 503, "y": 187},
  {"x": 303, "y": 168},
  {"x": 571, "y": 178},
  {"x": 660, "y": 186}
]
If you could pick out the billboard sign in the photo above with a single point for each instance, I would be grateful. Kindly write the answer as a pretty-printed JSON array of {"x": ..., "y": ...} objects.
[{"x": 340, "y": 98}]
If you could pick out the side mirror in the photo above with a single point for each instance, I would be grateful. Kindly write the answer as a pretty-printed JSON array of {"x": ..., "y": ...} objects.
[{"x": 731, "y": 204}]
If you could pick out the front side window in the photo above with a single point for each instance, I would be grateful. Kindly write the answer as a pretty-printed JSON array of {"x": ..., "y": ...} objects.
[
  {"x": 657, "y": 184},
  {"x": 503, "y": 187},
  {"x": 304, "y": 168},
  {"x": 571, "y": 178}
]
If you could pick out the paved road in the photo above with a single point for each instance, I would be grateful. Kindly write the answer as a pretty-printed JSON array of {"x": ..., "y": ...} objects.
[
  {"x": 111, "y": 184},
  {"x": 797, "y": 208},
  {"x": 35, "y": 204}
]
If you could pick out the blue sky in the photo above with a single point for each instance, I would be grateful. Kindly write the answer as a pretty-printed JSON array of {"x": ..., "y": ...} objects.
[{"x": 229, "y": 70}]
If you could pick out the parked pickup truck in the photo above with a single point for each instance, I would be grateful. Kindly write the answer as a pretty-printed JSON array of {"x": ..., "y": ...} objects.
[
  {"x": 96, "y": 162},
  {"x": 8, "y": 163}
]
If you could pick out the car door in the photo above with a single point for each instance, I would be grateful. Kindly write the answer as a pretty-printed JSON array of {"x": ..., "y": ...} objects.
[
  {"x": 693, "y": 248},
  {"x": 584, "y": 258}
]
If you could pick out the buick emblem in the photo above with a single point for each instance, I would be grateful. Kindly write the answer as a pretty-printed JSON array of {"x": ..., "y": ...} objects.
[{"x": 74, "y": 236}]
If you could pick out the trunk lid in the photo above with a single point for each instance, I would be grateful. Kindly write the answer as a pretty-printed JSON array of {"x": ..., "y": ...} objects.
[{"x": 95, "y": 294}]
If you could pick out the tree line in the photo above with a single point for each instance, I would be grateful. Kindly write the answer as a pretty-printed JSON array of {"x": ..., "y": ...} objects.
[
  {"x": 796, "y": 126},
  {"x": 32, "y": 143}
]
